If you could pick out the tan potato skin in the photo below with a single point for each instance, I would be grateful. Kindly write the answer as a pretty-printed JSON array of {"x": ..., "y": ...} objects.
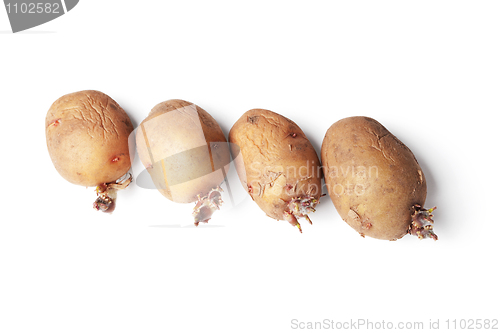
[
  {"x": 277, "y": 161},
  {"x": 378, "y": 199},
  {"x": 87, "y": 138},
  {"x": 178, "y": 142}
]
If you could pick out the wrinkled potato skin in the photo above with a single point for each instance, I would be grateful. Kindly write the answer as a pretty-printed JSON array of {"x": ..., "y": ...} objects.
[
  {"x": 275, "y": 156},
  {"x": 87, "y": 138},
  {"x": 381, "y": 204},
  {"x": 176, "y": 128}
]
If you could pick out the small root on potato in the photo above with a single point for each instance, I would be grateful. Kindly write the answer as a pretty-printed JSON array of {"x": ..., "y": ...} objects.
[
  {"x": 299, "y": 207},
  {"x": 107, "y": 193},
  {"x": 55, "y": 122},
  {"x": 207, "y": 205},
  {"x": 421, "y": 225},
  {"x": 290, "y": 218}
]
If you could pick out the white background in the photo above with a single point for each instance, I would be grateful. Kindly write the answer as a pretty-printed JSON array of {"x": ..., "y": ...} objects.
[{"x": 428, "y": 70}]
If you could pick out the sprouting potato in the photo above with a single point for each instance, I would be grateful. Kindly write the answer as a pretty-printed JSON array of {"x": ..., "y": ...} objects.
[
  {"x": 276, "y": 164},
  {"x": 87, "y": 138},
  {"x": 375, "y": 181},
  {"x": 186, "y": 154}
]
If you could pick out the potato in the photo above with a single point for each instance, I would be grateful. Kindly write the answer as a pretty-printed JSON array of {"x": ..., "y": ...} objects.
[
  {"x": 186, "y": 154},
  {"x": 374, "y": 181},
  {"x": 87, "y": 138},
  {"x": 276, "y": 164}
]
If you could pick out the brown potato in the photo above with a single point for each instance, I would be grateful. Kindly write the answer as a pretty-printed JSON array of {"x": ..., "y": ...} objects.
[
  {"x": 276, "y": 164},
  {"x": 186, "y": 154},
  {"x": 374, "y": 181},
  {"x": 87, "y": 138}
]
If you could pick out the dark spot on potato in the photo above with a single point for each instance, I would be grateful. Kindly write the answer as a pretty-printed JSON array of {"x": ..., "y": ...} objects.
[
  {"x": 288, "y": 187},
  {"x": 250, "y": 190},
  {"x": 253, "y": 120},
  {"x": 115, "y": 159}
]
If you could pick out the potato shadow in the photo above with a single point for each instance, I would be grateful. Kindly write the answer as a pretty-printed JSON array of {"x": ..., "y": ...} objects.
[{"x": 435, "y": 193}]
